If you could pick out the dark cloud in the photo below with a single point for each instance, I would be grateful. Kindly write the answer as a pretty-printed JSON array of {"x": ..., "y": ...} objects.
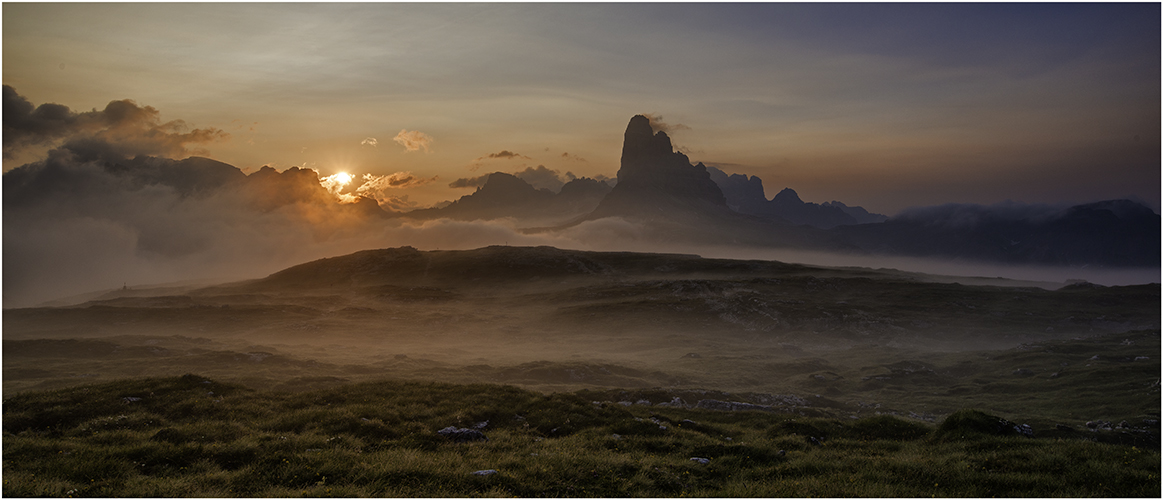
[
  {"x": 612, "y": 181},
  {"x": 568, "y": 156},
  {"x": 505, "y": 155},
  {"x": 543, "y": 178},
  {"x": 469, "y": 182},
  {"x": 539, "y": 177},
  {"x": 122, "y": 130}
]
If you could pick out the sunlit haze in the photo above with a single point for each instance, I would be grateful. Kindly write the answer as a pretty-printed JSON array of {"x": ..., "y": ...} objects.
[{"x": 882, "y": 106}]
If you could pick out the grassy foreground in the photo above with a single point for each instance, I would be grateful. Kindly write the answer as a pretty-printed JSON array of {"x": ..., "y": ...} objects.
[{"x": 188, "y": 436}]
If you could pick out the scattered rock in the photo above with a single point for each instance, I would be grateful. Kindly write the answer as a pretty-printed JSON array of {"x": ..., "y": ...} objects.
[
  {"x": 1025, "y": 430},
  {"x": 130, "y": 399},
  {"x": 481, "y": 425},
  {"x": 713, "y": 404},
  {"x": 816, "y": 441},
  {"x": 643, "y": 402},
  {"x": 462, "y": 435},
  {"x": 676, "y": 402},
  {"x": 781, "y": 452},
  {"x": 1142, "y": 358},
  {"x": 701, "y": 460},
  {"x": 486, "y": 472},
  {"x": 1097, "y": 425}
]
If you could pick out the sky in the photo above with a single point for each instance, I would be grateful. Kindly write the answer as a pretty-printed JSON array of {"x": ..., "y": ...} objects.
[{"x": 886, "y": 106}]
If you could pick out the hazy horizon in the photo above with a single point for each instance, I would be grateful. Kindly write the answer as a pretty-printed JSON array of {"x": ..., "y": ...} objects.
[
  {"x": 881, "y": 106},
  {"x": 412, "y": 105}
]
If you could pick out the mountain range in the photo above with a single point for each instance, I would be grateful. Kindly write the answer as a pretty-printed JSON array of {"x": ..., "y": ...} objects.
[{"x": 671, "y": 199}]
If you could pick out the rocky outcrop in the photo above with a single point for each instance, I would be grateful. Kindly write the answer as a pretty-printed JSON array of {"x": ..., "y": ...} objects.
[
  {"x": 714, "y": 404},
  {"x": 462, "y": 435},
  {"x": 654, "y": 180}
]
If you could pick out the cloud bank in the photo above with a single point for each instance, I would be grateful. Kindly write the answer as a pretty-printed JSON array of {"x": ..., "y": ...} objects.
[
  {"x": 540, "y": 177},
  {"x": 106, "y": 207},
  {"x": 121, "y": 129}
]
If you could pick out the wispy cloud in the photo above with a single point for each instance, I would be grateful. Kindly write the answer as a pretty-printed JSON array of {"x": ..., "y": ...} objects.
[
  {"x": 414, "y": 140},
  {"x": 660, "y": 126},
  {"x": 505, "y": 155},
  {"x": 568, "y": 156},
  {"x": 370, "y": 141}
]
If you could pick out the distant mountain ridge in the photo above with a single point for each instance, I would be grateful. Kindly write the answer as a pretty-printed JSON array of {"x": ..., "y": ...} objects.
[
  {"x": 746, "y": 195},
  {"x": 658, "y": 188},
  {"x": 1120, "y": 233}
]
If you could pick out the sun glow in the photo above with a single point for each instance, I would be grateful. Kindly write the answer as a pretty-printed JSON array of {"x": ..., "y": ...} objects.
[{"x": 335, "y": 183}]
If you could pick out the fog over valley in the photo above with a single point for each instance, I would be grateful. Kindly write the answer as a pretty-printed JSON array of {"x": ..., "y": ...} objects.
[{"x": 581, "y": 250}]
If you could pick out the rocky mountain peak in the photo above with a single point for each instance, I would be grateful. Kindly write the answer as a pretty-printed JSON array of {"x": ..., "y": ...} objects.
[
  {"x": 786, "y": 197},
  {"x": 653, "y": 175}
]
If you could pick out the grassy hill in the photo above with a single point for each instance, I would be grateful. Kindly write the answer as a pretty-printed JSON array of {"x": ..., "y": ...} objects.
[
  {"x": 190, "y": 436},
  {"x": 345, "y": 368}
]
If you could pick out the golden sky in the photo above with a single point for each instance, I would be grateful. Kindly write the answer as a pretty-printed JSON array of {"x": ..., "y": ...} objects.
[{"x": 883, "y": 106}]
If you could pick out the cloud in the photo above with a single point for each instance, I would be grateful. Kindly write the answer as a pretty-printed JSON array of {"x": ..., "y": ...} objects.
[
  {"x": 379, "y": 187},
  {"x": 397, "y": 203},
  {"x": 568, "y": 156},
  {"x": 505, "y": 155},
  {"x": 414, "y": 140},
  {"x": 613, "y": 181},
  {"x": 122, "y": 130},
  {"x": 543, "y": 178},
  {"x": 660, "y": 126},
  {"x": 469, "y": 182},
  {"x": 370, "y": 141},
  {"x": 539, "y": 177}
]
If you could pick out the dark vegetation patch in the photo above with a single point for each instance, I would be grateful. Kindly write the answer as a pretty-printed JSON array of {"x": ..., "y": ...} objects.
[{"x": 191, "y": 436}]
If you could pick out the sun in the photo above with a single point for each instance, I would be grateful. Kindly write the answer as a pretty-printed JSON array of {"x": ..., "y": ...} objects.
[{"x": 342, "y": 178}]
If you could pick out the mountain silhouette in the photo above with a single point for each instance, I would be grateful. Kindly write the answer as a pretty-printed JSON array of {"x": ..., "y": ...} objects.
[
  {"x": 1117, "y": 233},
  {"x": 655, "y": 182},
  {"x": 746, "y": 195}
]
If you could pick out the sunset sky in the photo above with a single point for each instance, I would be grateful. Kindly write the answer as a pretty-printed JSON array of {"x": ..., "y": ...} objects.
[{"x": 883, "y": 106}]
